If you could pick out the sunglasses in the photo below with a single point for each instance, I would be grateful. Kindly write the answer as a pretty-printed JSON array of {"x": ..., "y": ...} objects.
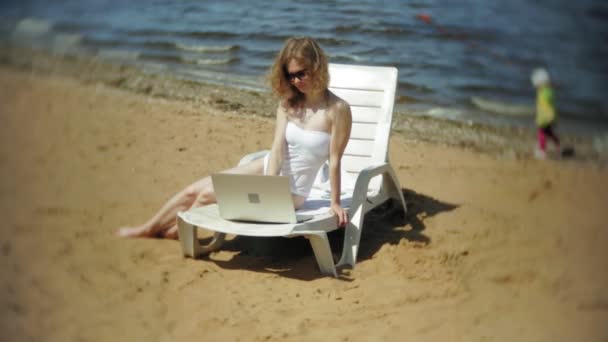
[{"x": 300, "y": 75}]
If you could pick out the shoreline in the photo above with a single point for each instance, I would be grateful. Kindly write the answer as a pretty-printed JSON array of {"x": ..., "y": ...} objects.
[{"x": 500, "y": 142}]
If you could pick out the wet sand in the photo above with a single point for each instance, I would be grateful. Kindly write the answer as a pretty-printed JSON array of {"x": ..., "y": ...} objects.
[{"x": 494, "y": 247}]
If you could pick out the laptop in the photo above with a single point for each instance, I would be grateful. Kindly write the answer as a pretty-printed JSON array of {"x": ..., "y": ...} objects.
[{"x": 255, "y": 198}]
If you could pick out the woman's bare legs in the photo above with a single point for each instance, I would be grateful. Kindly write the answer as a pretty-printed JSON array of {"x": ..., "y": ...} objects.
[
  {"x": 199, "y": 193},
  {"x": 171, "y": 233}
]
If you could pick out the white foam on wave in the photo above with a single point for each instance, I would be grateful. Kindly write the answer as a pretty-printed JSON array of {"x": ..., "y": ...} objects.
[
  {"x": 212, "y": 61},
  {"x": 446, "y": 113},
  {"x": 505, "y": 108},
  {"x": 208, "y": 61},
  {"x": 32, "y": 27},
  {"x": 349, "y": 57},
  {"x": 206, "y": 48}
]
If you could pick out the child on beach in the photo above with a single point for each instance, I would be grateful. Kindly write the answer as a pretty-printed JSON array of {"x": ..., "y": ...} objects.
[
  {"x": 312, "y": 126},
  {"x": 545, "y": 111}
]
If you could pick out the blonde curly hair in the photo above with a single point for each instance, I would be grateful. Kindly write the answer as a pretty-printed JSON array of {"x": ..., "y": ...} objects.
[{"x": 306, "y": 52}]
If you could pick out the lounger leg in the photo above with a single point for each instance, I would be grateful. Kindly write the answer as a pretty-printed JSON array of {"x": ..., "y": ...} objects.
[
  {"x": 391, "y": 183},
  {"x": 322, "y": 250},
  {"x": 352, "y": 236},
  {"x": 188, "y": 239}
]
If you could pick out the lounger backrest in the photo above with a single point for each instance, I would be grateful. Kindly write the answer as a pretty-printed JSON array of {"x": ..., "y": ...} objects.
[{"x": 370, "y": 92}]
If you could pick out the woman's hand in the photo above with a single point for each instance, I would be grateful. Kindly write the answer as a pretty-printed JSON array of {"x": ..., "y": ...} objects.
[{"x": 341, "y": 214}]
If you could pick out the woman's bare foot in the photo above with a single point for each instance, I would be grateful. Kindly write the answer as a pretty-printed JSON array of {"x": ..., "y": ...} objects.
[
  {"x": 142, "y": 231},
  {"x": 134, "y": 232},
  {"x": 170, "y": 233}
]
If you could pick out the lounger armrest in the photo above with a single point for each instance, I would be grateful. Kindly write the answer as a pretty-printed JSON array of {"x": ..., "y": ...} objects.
[{"x": 364, "y": 178}]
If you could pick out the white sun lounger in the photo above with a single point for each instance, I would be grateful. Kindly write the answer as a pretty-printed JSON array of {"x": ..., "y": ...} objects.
[{"x": 368, "y": 180}]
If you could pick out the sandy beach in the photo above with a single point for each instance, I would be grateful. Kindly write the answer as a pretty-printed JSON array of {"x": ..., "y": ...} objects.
[{"x": 492, "y": 249}]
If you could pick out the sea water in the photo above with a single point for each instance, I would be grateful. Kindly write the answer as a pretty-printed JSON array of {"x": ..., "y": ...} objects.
[{"x": 465, "y": 51}]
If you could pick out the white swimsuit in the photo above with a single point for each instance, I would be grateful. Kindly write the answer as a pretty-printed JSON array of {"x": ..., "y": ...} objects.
[{"x": 305, "y": 153}]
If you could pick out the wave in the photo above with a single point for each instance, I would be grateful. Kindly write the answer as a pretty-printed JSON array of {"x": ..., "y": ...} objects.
[
  {"x": 207, "y": 48},
  {"x": 188, "y": 60},
  {"x": 32, "y": 27},
  {"x": 445, "y": 113},
  {"x": 348, "y": 58},
  {"x": 216, "y": 61},
  {"x": 159, "y": 45},
  {"x": 502, "y": 107}
]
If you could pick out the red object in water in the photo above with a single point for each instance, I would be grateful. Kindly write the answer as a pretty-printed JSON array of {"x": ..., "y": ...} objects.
[{"x": 424, "y": 17}]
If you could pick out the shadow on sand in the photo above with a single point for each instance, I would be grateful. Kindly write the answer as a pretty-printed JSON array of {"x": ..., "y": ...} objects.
[{"x": 293, "y": 257}]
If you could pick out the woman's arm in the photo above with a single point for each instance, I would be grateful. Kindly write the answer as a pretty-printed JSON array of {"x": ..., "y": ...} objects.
[
  {"x": 278, "y": 144},
  {"x": 340, "y": 133}
]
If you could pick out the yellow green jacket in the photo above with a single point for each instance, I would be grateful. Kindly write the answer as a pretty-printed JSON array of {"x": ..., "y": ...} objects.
[{"x": 545, "y": 107}]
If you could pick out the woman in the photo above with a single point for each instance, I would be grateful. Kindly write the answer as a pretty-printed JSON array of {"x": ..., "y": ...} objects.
[{"x": 312, "y": 126}]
